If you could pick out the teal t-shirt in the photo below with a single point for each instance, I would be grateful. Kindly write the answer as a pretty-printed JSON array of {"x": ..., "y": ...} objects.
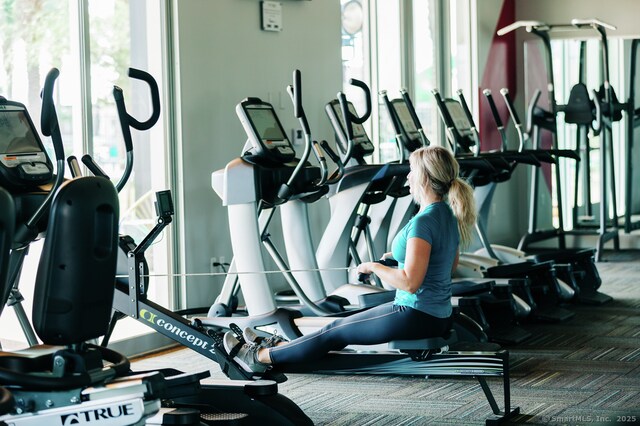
[{"x": 437, "y": 225}]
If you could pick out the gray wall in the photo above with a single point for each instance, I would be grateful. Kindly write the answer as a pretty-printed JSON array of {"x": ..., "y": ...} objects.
[{"x": 222, "y": 57}]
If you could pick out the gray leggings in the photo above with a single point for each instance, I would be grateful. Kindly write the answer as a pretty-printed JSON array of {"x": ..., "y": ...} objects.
[{"x": 371, "y": 327}]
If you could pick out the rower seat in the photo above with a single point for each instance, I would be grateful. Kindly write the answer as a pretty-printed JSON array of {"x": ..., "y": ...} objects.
[{"x": 428, "y": 344}]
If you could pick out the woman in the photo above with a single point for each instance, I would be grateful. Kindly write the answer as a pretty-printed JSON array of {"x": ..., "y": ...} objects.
[{"x": 427, "y": 251}]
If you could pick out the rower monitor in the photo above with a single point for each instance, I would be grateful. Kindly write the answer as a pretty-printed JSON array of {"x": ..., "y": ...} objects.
[
  {"x": 264, "y": 130},
  {"x": 362, "y": 145},
  {"x": 23, "y": 160}
]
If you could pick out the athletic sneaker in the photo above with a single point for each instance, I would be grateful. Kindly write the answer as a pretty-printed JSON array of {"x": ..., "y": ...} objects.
[
  {"x": 247, "y": 354},
  {"x": 251, "y": 336}
]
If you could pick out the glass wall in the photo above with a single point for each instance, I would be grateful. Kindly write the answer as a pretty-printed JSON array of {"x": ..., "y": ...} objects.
[
  {"x": 460, "y": 47},
  {"x": 425, "y": 65},
  {"x": 355, "y": 48},
  {"x": 418, "y": 45},
  {"x": 92, "y": 43},
  {"x": 388, "y": 66}
]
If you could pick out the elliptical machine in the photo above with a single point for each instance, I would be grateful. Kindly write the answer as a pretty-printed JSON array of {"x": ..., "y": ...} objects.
[
  {"x": 28, "y": 174},
  {"x": 74, "y": 381},
  {"x": 242, "y": 399},
  {"x": 368, "y": 212}
]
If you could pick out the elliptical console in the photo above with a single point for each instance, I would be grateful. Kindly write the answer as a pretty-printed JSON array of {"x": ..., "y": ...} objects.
[
  {"x": 266, "y": 134},
  {"x": 23, "y": 160},
  {"x": 362, "y": 145},
  {"x": 402, "y": 111}
]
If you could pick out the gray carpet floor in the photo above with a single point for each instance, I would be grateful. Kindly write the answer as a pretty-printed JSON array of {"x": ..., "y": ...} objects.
[{"x": 585, "y": 371}]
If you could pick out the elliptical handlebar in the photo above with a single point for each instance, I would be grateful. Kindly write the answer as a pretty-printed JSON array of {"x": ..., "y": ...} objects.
[
  {"x": 494, "y": 109},
  {"x": 339, "y": 172},
  {"x": 349, "y": 118},
  {"x": 49, "y": 127},
  {"x": 49, "y": 119},
  {"x": 597, "y": 127},
  {"x": 155, "y": 101},
  {"x": 367, "y": 98},
  {"x": 450, "y": 128},
  {"x": 400, "y": 134},
  {"x": 93, "y": 167},
  {"x": 295, "y": 92},
  {"x": 522, "y": 136},
  {"x": 533, "y": 104},
  {"x": 414, "y": 116},
  {"x": 496, "y": 117},
  {"x": 348, "y": 125},
  {"x": 74, "y": 166},
  {"x": 127, "y": 121},
  {"x": 296, "y": 98},
  {"x": 324, "y": 170},
  {"x": 467, "y": 113},
  {"x": 510, "y": 106}
]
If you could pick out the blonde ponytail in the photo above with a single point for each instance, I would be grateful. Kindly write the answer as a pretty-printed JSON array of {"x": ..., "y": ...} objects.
[
  {"x": 464, "y": 209},
  {"x": 437, "y": 167}
]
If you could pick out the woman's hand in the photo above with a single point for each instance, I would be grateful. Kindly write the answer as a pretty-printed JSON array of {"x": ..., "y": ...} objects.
[
  {"x": 411, "y": 276},
  {"x": 365, "y": 268},
  {"x": 387, "y": 255}
]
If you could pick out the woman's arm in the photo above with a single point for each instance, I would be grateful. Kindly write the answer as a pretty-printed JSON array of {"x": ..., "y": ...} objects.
[
  {"x": 415, "y": 267},
  {"x": 455, "y": 261}
]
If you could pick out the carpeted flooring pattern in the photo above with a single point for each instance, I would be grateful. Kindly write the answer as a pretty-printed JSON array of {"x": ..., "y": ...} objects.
[{"x": 585, "y": 371}]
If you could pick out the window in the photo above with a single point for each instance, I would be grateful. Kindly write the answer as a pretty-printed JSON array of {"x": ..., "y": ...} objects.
[
  {"x": 400, "y": 45},
  {"x": 460, "y": 47},
  {"x": 425, "y": 71},
  {"x": 93, "y": 43},
  {"x": 389, "y": 59},
  {"x": 354, "y": 51}
]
